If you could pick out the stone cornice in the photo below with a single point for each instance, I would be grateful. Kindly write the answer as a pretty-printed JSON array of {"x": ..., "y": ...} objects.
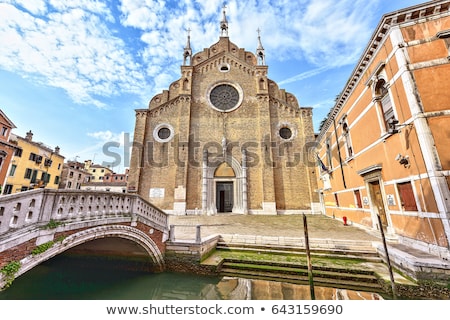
[{"x": 169, "y": 104}]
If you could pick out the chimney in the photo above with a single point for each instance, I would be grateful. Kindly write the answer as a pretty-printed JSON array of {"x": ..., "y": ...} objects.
[
  {"x": 57, "y": 150},
  {"x": 29, "y": 136}
]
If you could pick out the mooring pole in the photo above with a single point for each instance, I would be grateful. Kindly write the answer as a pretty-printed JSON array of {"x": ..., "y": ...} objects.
[
  {"x": 308, "y": 257},
  {"x": 388, "y": 261}
]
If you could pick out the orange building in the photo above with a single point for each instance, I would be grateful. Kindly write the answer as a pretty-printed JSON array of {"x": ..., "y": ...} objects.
[
  {"x": 383, "y": 148},
  {"x": 7, "y": 149}
]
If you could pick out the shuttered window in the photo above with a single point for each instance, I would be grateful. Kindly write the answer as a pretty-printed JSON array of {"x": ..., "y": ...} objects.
[{"x": 407, "y": 198}]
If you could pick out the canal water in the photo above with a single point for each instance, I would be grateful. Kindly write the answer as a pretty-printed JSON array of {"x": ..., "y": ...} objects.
[
  {"x": 73, "y": 277},
  {"x": 66, "y": 277}
]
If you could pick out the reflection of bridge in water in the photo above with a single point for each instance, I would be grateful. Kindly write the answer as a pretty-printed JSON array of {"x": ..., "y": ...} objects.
[{"x": 39, "y": 224}]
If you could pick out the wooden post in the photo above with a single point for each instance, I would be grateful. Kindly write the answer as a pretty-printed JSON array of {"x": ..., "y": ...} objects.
[
  {"x": 388, "y": 260},
  {"x": 198, "y": 236},
  {"x": 308, "y": 256},
  {"x": 172, "y": 233}
]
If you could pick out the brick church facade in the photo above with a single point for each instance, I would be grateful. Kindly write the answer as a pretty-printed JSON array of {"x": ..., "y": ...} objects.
[{"x": 224, "y": 138}]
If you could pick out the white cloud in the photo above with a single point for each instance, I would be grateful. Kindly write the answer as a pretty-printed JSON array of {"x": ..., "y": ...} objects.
[
  {"x": 81, "y": 47},
  {"x": 106, "y": 136},
  {"x": 305, "y": 75},
  {"x": 37, "y": 7},
  {"x": 72, "y": 50}
]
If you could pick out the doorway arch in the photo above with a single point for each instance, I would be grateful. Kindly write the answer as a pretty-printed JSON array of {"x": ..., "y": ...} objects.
[{"x": 224, "y": 180}]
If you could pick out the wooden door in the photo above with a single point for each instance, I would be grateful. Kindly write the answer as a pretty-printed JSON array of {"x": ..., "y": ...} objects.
[{"x": 377, "y": 201}]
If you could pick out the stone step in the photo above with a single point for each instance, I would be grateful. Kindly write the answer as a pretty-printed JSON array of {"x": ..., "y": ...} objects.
[
  {"x": 289, "y": 242},
  {"x": 302, "y": 270},
  {"x": 317, "y": 244},
  {"x": 303, "y": 280},
  {"x": 371, "y": 256}
]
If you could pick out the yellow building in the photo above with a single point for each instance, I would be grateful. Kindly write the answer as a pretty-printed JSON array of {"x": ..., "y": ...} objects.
[
  {"x": 383, "y": 149},
  {"x": 96, "y": 172},
  {"x": 35, "y": 166}
]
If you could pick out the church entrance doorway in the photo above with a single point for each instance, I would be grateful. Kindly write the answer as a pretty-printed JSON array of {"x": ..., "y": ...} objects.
[{"x": 224, "y": 196}]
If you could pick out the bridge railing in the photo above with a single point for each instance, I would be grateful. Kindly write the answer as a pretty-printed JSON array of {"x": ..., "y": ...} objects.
[{"x": 41, "y": 206}]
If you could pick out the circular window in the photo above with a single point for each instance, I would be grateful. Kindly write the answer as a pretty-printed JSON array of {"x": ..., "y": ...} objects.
[
  {"x": 225, "y": 97},
  {"x": 285, "y": 133},
  {"x": 163, "y": 132}
]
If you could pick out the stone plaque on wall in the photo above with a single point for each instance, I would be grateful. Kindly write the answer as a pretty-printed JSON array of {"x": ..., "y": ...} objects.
[
  {"x": 390, "y": 200},
  {"x": 365, "y": 201},
  {"x": 180, "y": 193},
  {"x": 157, "y": 193}
]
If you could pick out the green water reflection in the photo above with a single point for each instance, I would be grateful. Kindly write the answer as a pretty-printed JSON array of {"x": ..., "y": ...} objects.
[{"x": 76, "y": 278}]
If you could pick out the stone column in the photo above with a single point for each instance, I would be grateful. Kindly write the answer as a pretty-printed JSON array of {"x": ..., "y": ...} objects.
[
  {"x": 205, "y": 182},
  {"x": 244, "y": 181}
]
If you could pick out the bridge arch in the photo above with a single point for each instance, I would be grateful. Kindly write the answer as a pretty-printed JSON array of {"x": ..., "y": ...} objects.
[{"x": 86, "y": 235}]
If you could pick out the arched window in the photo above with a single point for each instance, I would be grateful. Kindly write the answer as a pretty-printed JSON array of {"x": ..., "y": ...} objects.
[
  {"x": 347, "y": 139},
  {"x": 382, "y": 95}
]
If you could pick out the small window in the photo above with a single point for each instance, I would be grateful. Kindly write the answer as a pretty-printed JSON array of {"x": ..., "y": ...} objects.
[
  {"x": 328, "y": 154},
  {"x": 8, "y": 189},
  {"x": 4, "y": 131},
  {"x": 13, "y": 170},
  {"x": 358, "y": 201},
  {"x": 407, "y": 198},
  {"x": 18, "y": 153},
  {"x": 224, "y": 67},
  {"x": 382, "y": 93},
  {"x": 336, "y": 199},
  {"x": 45, "y": 177},
  {"x": 285, "y": 133},
  {"x": 163, "y": 133},
  {"x": 347, "y": 139}
]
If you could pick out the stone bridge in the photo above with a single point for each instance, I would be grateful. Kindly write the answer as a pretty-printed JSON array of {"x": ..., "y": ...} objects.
[{"x": 39, "y": 224}]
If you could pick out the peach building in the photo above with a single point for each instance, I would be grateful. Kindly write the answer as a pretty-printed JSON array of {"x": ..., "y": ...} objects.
[{"x": 383, "y": 149}]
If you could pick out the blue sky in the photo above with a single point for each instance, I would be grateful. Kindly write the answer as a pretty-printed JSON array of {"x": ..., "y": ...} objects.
[{"x": 74, "y": 71}]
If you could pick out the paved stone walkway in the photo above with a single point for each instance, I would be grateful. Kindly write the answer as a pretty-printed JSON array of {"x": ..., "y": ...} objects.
[{"x": 319, "y": 226}]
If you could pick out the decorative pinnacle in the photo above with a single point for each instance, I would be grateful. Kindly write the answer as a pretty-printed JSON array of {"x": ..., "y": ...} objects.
[{"x": 224, "y": 23}]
